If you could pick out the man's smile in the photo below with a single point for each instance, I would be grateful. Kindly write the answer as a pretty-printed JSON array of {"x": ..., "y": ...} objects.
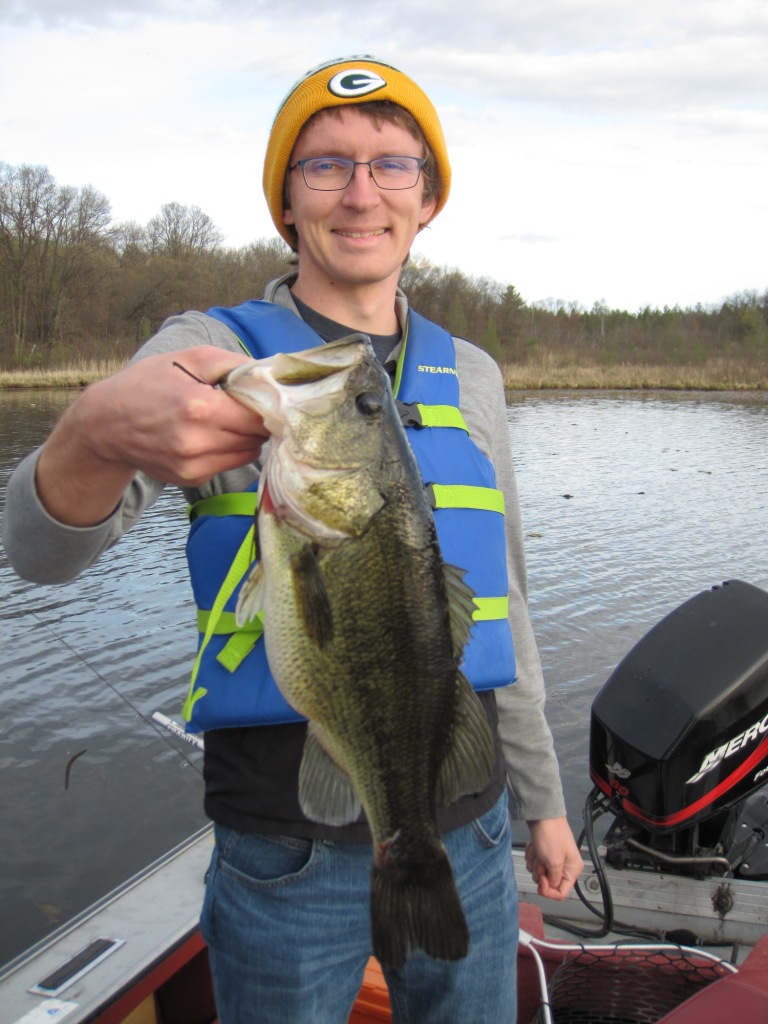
[{"x": 372, "y": 233}]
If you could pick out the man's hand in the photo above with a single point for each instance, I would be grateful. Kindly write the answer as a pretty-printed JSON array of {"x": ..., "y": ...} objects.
[
  {"x": 151, "y": 417},
  {"x": 552, "y": 857}
]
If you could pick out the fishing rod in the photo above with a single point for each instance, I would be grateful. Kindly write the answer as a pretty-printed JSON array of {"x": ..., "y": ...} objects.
[
  {"x": 178, "y": 730},
  {"x": 159, "y": 723}
]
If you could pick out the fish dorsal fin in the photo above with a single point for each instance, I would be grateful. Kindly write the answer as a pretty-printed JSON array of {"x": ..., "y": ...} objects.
[
  {"x": 470, "y": 757},
  {"x": 326, "y": 793},
  {"x": 312, "y": 601},
  {"x": 461, "y": 606}
]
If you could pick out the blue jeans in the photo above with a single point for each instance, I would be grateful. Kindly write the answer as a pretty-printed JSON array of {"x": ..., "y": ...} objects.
[{"x": 288, "y": 929}]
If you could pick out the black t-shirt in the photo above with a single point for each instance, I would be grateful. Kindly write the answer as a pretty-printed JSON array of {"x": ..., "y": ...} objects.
[{"x": 330, "y": 330}]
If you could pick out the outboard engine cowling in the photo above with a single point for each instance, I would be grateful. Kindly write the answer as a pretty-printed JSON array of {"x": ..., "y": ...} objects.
[{"x": 679, "y": 732}]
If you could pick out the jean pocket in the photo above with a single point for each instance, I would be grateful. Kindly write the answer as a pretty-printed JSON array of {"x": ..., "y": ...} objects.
[
  {"x": 492, "y": 827},
  {"x": 262, "y": 860}
]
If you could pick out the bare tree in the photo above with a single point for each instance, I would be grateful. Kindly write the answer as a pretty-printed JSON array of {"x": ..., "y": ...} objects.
[
  {"x": 180, "y": 232},
  {"x": 49, "y": 236}
]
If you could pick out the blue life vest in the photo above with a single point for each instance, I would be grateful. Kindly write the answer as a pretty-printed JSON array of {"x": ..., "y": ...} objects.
[{"x": 231, "y": 682}]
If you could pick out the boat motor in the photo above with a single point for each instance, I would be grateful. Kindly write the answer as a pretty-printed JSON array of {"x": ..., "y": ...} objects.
[{"x": 679, "y": 741}]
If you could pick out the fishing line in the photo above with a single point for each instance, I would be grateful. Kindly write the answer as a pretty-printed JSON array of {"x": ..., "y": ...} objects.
[
  {"x": 137, "y": 711},
  {"x": 192, "y": 375}
]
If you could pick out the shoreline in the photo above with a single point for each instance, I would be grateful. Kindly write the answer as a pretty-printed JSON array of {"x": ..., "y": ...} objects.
[
  {"x": 77, "y": 375},
  {"x": 715, "y": 376},
  {"x": 718, "y": 377}
]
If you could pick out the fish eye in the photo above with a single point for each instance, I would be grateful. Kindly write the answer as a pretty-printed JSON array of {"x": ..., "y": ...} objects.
[{"x": 368, "y": 403}]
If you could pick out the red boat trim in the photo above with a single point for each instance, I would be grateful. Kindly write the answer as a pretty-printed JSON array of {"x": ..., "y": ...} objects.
[
  {"x": 697, "y": 806},
  {"x": 118, "y": 1009}
]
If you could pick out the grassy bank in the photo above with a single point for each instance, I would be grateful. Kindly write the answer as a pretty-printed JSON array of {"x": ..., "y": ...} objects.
[
  {"x": 714, "y": 375},
  {"x": 76, "y": 375}
]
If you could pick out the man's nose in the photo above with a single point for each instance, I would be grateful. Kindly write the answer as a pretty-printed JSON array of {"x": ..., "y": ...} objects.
[{"x": 362, "y": 187}]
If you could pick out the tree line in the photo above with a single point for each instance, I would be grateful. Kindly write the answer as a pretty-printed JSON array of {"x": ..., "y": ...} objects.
[{"x": 75, "y": 284}]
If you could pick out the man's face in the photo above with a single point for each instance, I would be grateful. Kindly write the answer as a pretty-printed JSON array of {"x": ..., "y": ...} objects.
[{"x": 361, "y": 235}]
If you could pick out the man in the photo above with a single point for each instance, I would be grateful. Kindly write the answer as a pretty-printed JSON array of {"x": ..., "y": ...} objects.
[{"x": 356, "y": 166}]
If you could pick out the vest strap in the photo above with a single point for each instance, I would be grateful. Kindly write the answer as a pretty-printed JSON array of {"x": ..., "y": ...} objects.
[
  {"x": 488, "y": 499},
  {"x": 489, "y": 608},
  {"x": 235, "y": 503},
  {"x": 237, "y": 649},
  {"x": 226, "y": 624},
  {"x": 237, "y": 570},
  {"x": 414, "y": 414}
]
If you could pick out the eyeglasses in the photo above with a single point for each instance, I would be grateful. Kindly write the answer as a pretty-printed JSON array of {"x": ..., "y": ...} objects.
[{"x": 333, "y": 173}]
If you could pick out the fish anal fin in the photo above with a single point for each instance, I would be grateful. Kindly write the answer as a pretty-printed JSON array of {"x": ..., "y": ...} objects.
[
  {"x": 326, "y": 793},
  {"x": 312, "y": 601},
  {"x": 461, "y": 606},
  {"x": 470, "y": 757}
]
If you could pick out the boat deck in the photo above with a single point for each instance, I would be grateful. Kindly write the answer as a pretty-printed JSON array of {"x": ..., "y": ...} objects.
[
  {"x": 156, "y": 969},
  {"x": 158, "y": 914}
]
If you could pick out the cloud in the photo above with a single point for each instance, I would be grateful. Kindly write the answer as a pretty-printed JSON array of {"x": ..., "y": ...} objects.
[
  {"x": 574, "y": 55},
  {"x": 599, "y": 149},
  {"x": 528, "y": 238}
]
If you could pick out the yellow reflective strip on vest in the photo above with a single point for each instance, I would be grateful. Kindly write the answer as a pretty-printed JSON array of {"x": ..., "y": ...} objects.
[
  {"x": 241, "y": 638},
  {"x": 465, "y": 496},
  {"x": 441, "y": 416},
  {"x": 490, "y": 608},
  {"x": 226, "y": 624},
  {"x": 235, "y": 504},
  {"x": 237, "y": 649},
  {"x": 237, "y": 570}
]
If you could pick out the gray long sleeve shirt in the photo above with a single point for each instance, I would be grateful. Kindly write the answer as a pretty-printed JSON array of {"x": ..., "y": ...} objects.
[{"x": 46, "y": 551}]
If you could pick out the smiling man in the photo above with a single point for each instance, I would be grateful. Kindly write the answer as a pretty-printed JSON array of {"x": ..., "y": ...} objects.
[
  {"x": 355, "y": 213},
  {"x": 356, "y": 166}
]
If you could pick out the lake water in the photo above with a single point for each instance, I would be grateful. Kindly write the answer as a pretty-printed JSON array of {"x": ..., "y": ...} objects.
[{"x": 632, "y": 503}]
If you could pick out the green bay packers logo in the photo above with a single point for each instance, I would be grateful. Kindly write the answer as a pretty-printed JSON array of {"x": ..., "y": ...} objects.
[{"x": 355, "y": 82}]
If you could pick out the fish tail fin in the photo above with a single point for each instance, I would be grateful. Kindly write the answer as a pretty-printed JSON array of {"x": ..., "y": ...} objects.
[{"x": 415, "y": 905}]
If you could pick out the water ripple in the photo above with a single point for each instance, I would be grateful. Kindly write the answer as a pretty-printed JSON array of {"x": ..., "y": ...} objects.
[{"x": 667, "y": 496}]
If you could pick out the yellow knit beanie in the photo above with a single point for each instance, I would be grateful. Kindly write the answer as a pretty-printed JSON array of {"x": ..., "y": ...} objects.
[{"x": 333, "y": 84}]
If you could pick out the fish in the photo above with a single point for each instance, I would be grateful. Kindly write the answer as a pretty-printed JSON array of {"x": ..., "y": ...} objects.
[{"x": 365, "y": 625}]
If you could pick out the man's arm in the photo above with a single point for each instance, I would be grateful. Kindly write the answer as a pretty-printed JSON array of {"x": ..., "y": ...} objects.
[
  {"x": 152, "y": 418},
  {"x": 534, "y": 776},
  {"x": 552, "y": 857},
  {"x": 110, "y": 454}
]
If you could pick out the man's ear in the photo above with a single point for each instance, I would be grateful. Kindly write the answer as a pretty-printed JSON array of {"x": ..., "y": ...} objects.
[{"x": 427, "y": 210}]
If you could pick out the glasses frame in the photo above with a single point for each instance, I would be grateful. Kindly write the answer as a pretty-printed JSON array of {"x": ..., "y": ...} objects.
[{"x": 300, "y": 164}]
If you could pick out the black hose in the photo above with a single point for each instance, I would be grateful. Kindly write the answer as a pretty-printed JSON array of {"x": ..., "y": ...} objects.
[{"x": 591, "y": 814}]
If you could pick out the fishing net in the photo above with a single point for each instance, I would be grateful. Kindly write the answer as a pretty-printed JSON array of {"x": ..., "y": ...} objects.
[{"x": 626, "y": 985}]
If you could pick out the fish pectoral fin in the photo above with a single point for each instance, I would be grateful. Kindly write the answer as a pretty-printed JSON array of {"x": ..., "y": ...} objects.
[
  {"x": 461, "y": 606},
  {"x": 250, "y": 600},
  {"x": 470, "y": 758},
  {"x": 326, "y": 793},
  {"x": 312, "y": 601}
]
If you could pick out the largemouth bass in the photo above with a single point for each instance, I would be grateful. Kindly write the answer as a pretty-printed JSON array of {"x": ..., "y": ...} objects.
[{"x": 364, "y": 629}]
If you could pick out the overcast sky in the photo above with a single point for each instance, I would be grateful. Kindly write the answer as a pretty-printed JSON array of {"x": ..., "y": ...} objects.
[{"x": 603, "y": 151}]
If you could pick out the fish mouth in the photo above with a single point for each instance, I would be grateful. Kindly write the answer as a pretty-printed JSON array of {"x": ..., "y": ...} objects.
[
  {"x": 318, "y": 364},
  {"x": 285, "y": 390},
  {"x": 271, "y": 386}
]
